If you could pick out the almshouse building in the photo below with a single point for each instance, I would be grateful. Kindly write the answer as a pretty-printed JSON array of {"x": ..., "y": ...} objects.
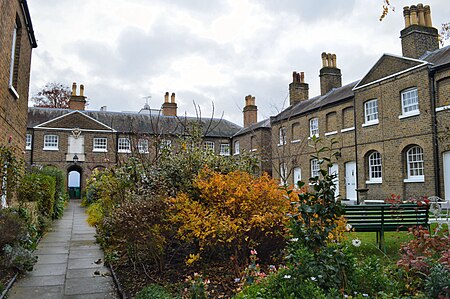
[
  {"x": 17, "y": 41},
  {"x": 78, "y": 140},
  {"x": 391, "y": 127}
]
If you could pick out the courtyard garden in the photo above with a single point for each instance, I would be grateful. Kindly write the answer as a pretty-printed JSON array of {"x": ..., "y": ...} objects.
[{"x": 191, "y": 224}]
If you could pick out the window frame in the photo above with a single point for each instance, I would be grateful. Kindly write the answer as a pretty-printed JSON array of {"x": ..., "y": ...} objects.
[
  {"x": 413, "y": 112},
  {"x": 283, "y": 174},
  {"x": 314, "y": 127},
  {"x": 282, "y": 136},
  {"x": 296, "y": 170},
  {"x": 102, "y": 148},
  {"x": 12, "y": 81},
  {"x": 142, "y": 146},
  {"x": 121, "y": 141},
  {"x": 418, "y": 165},
  {"x": 224, "y": 149},
  {"x": 236, "y": 148},
  {"x": 314, "y": 168},
  {"x": 367, "y": 115},
  {"x": 208, "y": 145},
  {"x": 295, "y": 132},
  {"x": 375, "y": 171},
  {"x": 28, "y": 143},
  {"x": 55, "y": 142}
]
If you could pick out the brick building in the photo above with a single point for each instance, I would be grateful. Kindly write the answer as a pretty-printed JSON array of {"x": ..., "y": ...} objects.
[
  {"x": 79, "y": 141},
  {"x": 391, "y": 127},
  {"x": 17, "y": 40}
]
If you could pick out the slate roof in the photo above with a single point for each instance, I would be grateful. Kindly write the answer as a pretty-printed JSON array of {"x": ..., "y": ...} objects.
[
  {"x": 129, "y": 122},
  {"x": 334, "y": 96},
  {"x": 438, "y": 58},
  {"x": 264, "y": 124}
]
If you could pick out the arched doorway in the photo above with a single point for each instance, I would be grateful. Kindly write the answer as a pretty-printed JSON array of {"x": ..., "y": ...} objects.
[{"x": 74, "y": 181}]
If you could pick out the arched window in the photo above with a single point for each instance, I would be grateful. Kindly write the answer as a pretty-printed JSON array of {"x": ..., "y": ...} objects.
[
  {"x": 414, "y": 163},
  {"x": 375, "y": 167}
]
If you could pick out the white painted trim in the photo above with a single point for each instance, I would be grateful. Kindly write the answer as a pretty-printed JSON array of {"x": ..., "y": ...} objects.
[
  {"x": 393, "y": 75},
  {"x": 124, "y": 151},
  {"x": 378, "y": 181},
  {"x": 331, "y": 133},
  {"x": 406, "y": 115},
  {"x": 67, "y": 129},
  {"x": 371, "y": 123},
  {"x": 418, "y": 179},
  {"x": 50, "y": 149},
  {"x": 70, "y": 113},
  {"x": 442, "y": 108},
  {"x": 99, "y": 150},
  {"x": 253, "y": 150},
  {"x": 296, "y": 141},
  {"x": 16, "y": 94},
  {"x": 347, "y": 129},
  {"x": 316, "y": 135}
]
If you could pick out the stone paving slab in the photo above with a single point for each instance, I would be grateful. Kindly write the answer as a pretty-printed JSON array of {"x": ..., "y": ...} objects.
[{"x": 66, "y": 266}]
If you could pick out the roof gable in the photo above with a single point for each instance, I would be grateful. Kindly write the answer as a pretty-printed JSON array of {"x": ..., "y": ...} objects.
[
  {"x": 387, "y": 66},
  {"x": 75, "y": 119}
]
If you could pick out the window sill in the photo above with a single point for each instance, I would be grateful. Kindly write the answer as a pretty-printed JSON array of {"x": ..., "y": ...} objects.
[
  {"x": 28, "y": 148},
  {"x": 143, "y": 152},
  {"x": 442, "y": 108},
  {"x": 223, "y": 154},
  {"x": 331, "y": 133},
  {"x": 347, "y": 129},
  {"x": 410, "y": 114},
  {"x": 99, "y": 151},
  {"x": 310, "y": 137},
  {"x": 236, "y": 154},
  {"x": 50, "y": 149},
  {"x": 296, "y": 141},
  {"x": 124, "y": 152},
  {"x": 372, "y": 123},
  {"x": 372, "y": 182},
  {"x": 13, "y": 91},
  {"x": 281, "y": 144},
  {"x": 253, "y": 150},
  {"x": 414, "y": 180}
]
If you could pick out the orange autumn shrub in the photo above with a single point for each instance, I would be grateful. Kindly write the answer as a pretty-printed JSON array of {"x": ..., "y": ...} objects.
[{"x": 233, "y": 212}]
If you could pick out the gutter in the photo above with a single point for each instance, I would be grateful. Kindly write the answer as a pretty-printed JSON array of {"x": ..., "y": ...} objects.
[{"x": 28, "y": 24}]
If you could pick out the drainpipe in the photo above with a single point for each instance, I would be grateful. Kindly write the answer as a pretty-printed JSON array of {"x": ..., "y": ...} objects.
[
  {"x": 117, "y": 147},
  {"x": 437, "y": 172},
  {"x": 32, "y": 148},
  {"x": 356, "y": 148}
]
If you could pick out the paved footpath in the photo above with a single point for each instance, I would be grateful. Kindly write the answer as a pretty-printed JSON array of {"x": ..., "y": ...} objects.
[{"x": 70, "y": 263}]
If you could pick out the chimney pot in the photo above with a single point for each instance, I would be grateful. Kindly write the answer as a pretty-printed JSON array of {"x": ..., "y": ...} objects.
[
  {"x": 324, "y": 59},
  {"x": 414, "y": 20},
  {"x": 302, "y": 77},
  {"x": 333, "y": 60},
  {"x": 81, "y": 90},
  {"x": 427, "y": 15},
  {"x": 172, "y": 98},
  {"x": 420, "y": 14},
  {"x": 74, "y": 88},
  {"x": 406, "y": 15},
  {"x": 166, "y": 97}
]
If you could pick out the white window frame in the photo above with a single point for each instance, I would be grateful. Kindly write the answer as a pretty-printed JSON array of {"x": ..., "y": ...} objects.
[
  {"x": 142, "y": 146},
  {"x": 51, "y": 142},
  {"x": 224, "y": 149},
  {"x": 375, "y": 168},
  {"x": 415, "y": 165},
  {"x": 295, "y": 138},
  {"x": 253, "y": 147},
  {"x": 370, "y": 112},
  {"x": 99, "y": 146},
  {"x": 124, "y": 145},
  {"x": 165, "y": 144},
  {"x": 297, "y": 172},
  {"x": 282, "y": 136},
  {"x": 28, "y": 141},
  {"x": 410, "y": 102},
  {"x": 13, "y": 62},
  {"x": 315, "y": 168},
  {"x": 314, "y": 127},
  {"x": 208, "y": 145},
  {"x": 237, "y": 147}
]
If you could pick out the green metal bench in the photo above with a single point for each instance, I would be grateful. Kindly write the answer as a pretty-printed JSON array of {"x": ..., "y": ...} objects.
[{"x": 381, "y": 218}]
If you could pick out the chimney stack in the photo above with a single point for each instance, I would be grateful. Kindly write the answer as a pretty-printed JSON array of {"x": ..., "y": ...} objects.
[
  {"x": 330, "y": 75},
  {"x": 418, "y": 36},
  {"x": 250, "y": 111},
  {"x": 298, "y": 89},
  {"x": 169, "y": 108},
  {"x": 77, "y": 102}
]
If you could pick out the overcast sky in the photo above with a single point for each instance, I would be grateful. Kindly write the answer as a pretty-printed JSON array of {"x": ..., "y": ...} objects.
[{"x": 208, "y": 51}]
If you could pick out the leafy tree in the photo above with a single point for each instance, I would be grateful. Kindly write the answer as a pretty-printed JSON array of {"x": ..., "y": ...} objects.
[{"x": 53, "y": 95}]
